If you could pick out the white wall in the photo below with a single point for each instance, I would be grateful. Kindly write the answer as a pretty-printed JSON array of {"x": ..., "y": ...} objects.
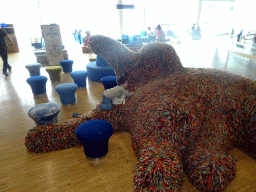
[
  {"x": 97, "y": 16},
  {"x": 102, "y": 17},
  {"x": 25, "y": 18},
  {"x": 245, "y": 14}
]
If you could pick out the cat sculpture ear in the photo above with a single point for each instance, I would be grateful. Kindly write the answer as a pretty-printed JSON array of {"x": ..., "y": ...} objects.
[{"x": 117, "y": 55}]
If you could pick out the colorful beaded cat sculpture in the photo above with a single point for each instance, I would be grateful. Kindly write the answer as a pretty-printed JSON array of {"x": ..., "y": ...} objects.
[{"x": 181, "y": 120}]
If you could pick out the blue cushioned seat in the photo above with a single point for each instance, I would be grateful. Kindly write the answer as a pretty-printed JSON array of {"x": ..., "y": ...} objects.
[
  {"x": 101, "y": 62},
  {"x": 143, "y": 34},
  {"x": 37, "y": 84},
  {"x": 3, "y": 25},
  {"x": 94, "y": 135},
  {"x": 44, "y": 113},
  {"x": 125, "y": 39},
  {"x": 34, "y": 69},
  {"x": 66, "y": 65},
  {"x": 79, "y": 77},
  {"x": 67, "y": 92},
  {"x": 108, "y": 82},
  {"x": 98, "y": 69}
]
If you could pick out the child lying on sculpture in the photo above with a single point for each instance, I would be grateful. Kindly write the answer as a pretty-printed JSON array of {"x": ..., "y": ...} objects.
[{"x": 116, "y": 92}]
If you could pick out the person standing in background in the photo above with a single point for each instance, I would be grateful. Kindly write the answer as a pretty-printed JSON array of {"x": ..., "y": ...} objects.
[
  {"x": 159, "y": 34},
  {"x": 86, "y": 38},
  {"x": 150, "y": 35},
  {"x": 149, "y": 32},
  {"x": 74, "y": 34},
  {"x": 239, "y": 36},
  {"x": 79, "y": 34},
  {"x": 193, "y": 31},
  {"x": 198, "y": 33},
  {"x": 4, "y": 51}
]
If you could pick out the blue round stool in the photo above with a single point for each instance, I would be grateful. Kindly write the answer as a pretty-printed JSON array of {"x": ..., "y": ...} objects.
[
  {"x": 108, "y": 82},
  {"x": 3, "y": 25},
  {"x": 37, "y": 84},
  {"x": 79, "y": 77},
  {"x": 45, "y": 113},
  {"x": 98, "y": 69},
  {"x": 34, "y": 69},
  {"x": 95, "y": 73},
  {"x": 94, "y": 135},
  {"x": 66, "y": 65},
  {"x": 67, "y": 92},
  {"x": 101, "y": 62}
]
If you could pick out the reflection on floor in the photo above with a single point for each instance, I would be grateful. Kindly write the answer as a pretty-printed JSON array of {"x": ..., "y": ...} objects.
[{"x": 220, "y": 53}]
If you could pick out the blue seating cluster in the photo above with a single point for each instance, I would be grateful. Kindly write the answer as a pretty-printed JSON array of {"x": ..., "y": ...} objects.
[
  {"x": 138, "y": 40},
  {"x": 93, "y": 134},
  {"x": 66, "y": 91},
  {"x": 134, "y": 40},
  {"x": 96, "y": 71}
]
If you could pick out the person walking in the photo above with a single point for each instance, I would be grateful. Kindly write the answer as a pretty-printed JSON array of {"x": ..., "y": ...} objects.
[{"x": 4, "y": 50}]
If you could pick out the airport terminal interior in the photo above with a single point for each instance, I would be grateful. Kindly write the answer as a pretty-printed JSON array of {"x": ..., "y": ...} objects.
[{"x": 227, "y": 41}]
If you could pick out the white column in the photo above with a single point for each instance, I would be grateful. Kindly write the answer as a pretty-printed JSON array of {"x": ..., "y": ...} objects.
[
  {"x": 38, "y": 4},
  {"x": 120, "y": 17},
  {"x": 144, "y": 18},
  {"x": 199, "y": 11}
]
